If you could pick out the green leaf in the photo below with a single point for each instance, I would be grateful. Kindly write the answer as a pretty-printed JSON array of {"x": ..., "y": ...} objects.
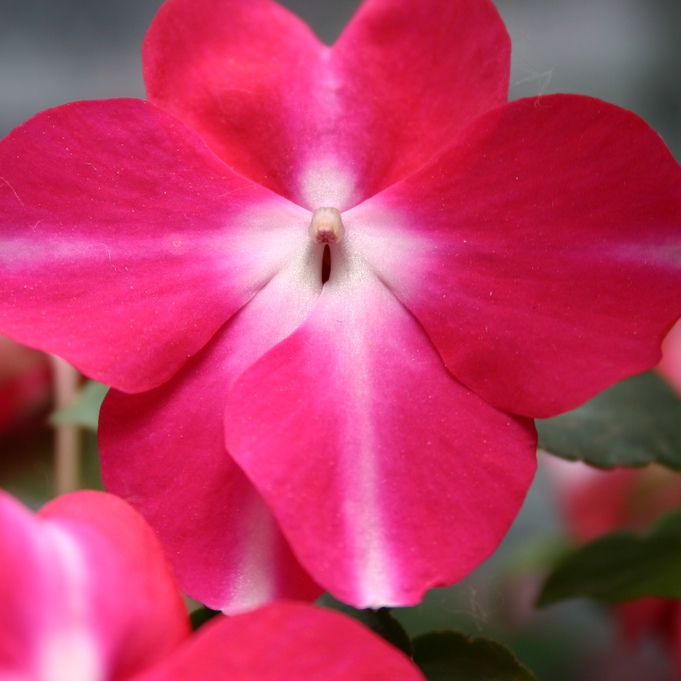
[
  {"x": 450, "y": 656},
  {"x": 633, "y": 423},
  {"x": 84, "y": 411},
  {"x": 202, "y": 615},
  {"x": 381, "y": 622},
  {"x": 622, "y": 566}
]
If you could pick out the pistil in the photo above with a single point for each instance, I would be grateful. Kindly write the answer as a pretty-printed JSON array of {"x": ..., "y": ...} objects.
[{"x": 326, "y": 226}]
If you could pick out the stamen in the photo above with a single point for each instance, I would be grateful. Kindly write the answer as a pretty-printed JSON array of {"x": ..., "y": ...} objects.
[{"x": 326, "y": 226}]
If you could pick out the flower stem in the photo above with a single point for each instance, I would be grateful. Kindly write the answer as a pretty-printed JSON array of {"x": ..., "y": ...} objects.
[{"x": 67, "y": 437}]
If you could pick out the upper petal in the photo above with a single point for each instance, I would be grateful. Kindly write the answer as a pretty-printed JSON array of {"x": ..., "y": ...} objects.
[
  {"x": 386, "y": 475},
  {"x": 125, "y": 243},
  {"x": 242, "y": 74},
  {"x": 286, "y": 642},
  {"x": 63, "y": 576},
  {"x": 411, "y": 74},
  {"x": 319, "y": 125},
  {"x": 542, "y": 252}
]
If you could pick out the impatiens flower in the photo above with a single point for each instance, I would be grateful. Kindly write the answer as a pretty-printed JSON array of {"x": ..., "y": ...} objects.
[
  {"x": 594, "y": 502},
  {"x": 85, "y": 592},
  {"x": 331, "y": 286},
  {"x": 87, "y": 595}
]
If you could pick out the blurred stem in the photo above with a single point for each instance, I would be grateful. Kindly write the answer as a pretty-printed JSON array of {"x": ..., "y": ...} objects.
[{"x": 67, "y": 437}]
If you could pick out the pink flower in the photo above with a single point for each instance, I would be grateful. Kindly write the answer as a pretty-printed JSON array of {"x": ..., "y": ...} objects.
[
  {"x": 85, "y": 591},
  {"x": 332, "y": 286},
  {"x": 284, "y": 642},
  {"x": 25, "y": 385},
  {"x": 595, "y": 502},
  {"x": 86, "y": 595}
]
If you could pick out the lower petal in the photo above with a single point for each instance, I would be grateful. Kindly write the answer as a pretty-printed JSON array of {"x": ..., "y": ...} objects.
[
  {"x": 286, "y": 642},
  {"x": 163, "y": 451},
  {"x": 387, "y": 476}
]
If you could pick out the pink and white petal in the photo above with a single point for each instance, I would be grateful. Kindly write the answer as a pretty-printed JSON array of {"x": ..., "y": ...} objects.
[
  {"x": 386, "y": 475},
  {"x": 411, "y": 75},
  {"x": 86, "y": 591},
  {"x": 164, "y": 452},
  {"x": 542, "y": 253},
  {"x": 125, "y": 243},
  {"x": 283, "y": 642},
  {"x": 338, "y": 123},
  {"x": 245, "y": 75},
  {"x": 25, "y": 591}
]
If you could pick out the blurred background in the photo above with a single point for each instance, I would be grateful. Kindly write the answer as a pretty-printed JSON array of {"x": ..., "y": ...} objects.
[
  {"x": 624, "y": 51},
  {"x": 627, "y": 52}
]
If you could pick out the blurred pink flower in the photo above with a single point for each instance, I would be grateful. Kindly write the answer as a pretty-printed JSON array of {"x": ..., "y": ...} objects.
[
  {"x": 25, "y": 385},
  {"x": 670, "y": 365},
  {"x": 594, "y": 502},
  {"x": 331, "y": 286},
  {"x": 86, "y": 595},
  {"x": 85, "y": 591}
]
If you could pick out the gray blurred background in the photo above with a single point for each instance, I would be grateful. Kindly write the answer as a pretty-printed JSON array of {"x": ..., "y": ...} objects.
[{"x": 625, "y": 51}]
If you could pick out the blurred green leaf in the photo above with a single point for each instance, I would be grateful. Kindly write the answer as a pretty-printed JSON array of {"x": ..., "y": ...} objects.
[
  {"x": 633, "y": 423},
  {"x": 621, "y": 566},
  {"x": 201, "y": 615},
  {"x": 84, "y": 412},
  {"x": 450, "y": 656}
]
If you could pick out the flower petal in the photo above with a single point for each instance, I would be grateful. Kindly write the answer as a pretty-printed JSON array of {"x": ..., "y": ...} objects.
[
  {"x": 286, "y": 642},
  {"x": 338, "y": 123},
  {"x": 541, "y": 253},
  {"x": 412, "y": 74},
  {"x": 125, "y": 243},
  {"x": 164, "y": 452},
  {"x": 386, "y": 475},
  {"x": 243, "y": 74},
  {"x": 63, "y": 575}
]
